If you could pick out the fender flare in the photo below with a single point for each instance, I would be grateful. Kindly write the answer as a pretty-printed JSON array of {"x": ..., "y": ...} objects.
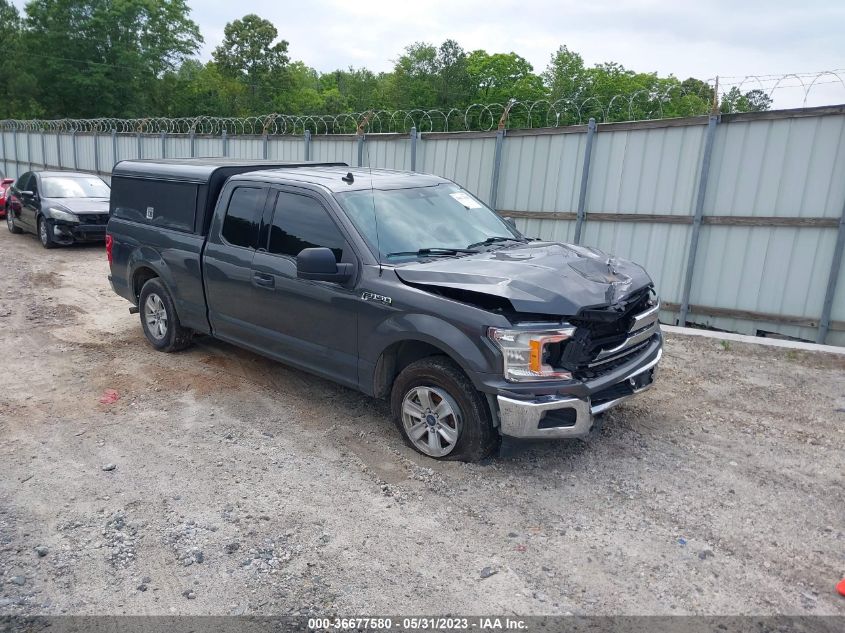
[
  {"x": 425, "y": 328},
  {"x": 146, "y": 257}
]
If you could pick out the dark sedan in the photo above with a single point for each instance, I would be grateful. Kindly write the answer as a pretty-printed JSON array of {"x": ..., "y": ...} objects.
[{"x": 60, "y": 207}]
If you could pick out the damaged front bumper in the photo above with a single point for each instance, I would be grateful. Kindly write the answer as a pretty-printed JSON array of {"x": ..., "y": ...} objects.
[
  {"x": 68, "y": 233},
  {"x": 560, "y": 416}
]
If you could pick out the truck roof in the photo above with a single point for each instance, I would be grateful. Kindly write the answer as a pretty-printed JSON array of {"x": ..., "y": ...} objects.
[
  {"x": 331, "y": 176},
  {"x": 200, "y": 170}
]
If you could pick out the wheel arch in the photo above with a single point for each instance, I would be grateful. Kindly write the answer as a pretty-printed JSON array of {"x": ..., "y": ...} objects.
[
  {"x": 144, "y": 264},
  {"x": 416, "y": 336}
]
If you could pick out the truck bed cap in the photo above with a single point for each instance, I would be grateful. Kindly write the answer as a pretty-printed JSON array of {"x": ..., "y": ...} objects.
[{"x": 200, "y": 170}]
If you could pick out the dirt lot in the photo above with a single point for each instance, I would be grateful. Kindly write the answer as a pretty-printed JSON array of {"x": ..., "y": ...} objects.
[{"x": 240, "y": 486}]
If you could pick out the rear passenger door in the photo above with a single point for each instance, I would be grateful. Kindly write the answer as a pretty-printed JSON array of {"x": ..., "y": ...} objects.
[
  {"x": 312, "y": 324},
  {"x": 227, "y": 264}
]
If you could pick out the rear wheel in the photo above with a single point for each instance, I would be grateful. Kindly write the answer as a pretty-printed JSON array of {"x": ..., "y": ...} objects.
[
  {"x": 45, "y": 233},
  {"x": 10, "y": 221},
  {"x": 440, "y": 413},
  {"x": 159, "y": 319}
]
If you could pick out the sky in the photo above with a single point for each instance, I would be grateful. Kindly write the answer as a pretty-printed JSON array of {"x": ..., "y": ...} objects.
[{"x": 702, "y": 38}]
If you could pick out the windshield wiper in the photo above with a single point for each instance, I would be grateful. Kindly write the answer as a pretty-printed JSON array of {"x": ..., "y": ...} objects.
[
  {"x": 435, "y": 252},
  {"x": 495, "y": 239}
]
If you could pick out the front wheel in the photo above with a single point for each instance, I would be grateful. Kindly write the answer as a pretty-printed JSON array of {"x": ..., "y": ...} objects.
[
  {"x": 440, "y": 413},
  {"x": 45, "y": 234},
  {"x": 10, "y": 221},
  {"x": 159, "y": 319}
]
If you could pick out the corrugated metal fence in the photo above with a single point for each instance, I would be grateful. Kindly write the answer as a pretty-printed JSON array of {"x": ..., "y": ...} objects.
[{"x": 740, "y": 219}]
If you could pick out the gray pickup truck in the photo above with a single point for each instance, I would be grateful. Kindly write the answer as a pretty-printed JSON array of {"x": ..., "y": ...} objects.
[{"x": 400, "y": 285}]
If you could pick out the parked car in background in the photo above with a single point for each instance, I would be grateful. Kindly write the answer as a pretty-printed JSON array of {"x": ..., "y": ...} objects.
[
  {"x": 5, "y": 185},
  {"x": 60, "y": 207},
  {"x": 401, "y": 285}
]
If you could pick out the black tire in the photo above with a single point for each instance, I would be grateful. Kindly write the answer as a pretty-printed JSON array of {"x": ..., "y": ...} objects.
[
  {"x": 476, "y": 438},
  {"x": 45, "y": 235},
  {"x": 10, "y": 222},
  {"x": 174, "y": 337}
]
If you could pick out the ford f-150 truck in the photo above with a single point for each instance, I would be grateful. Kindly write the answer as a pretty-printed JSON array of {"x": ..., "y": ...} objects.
[{"x": 401, "y": 285}]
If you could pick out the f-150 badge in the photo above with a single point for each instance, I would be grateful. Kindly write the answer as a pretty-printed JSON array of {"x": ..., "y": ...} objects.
[{"x": 371, "y": 296}]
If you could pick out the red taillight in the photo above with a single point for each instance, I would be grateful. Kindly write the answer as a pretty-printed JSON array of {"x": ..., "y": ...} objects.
[{"x": 109, "y": 242}]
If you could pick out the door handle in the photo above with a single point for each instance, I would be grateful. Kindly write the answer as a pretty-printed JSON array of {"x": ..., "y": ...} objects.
[{"x": 264, "y": 280}]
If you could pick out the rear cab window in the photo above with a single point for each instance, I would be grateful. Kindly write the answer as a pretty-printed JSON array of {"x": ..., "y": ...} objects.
[{"x": 243, "y": 217}]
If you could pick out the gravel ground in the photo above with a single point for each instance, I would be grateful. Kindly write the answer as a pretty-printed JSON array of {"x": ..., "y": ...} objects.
[{"x": 222, "y": 483}]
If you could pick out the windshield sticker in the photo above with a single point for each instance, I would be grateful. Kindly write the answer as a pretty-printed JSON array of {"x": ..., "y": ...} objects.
[
  {"x": 150, "y": 212},
  {"x": 466, "y": 200}
]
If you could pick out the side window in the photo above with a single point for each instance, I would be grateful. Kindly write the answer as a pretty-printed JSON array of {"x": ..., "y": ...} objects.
[
  {"x": 240, "y": 226},
  {"x": 33, "y": 183},
  {"x": 301, "y": 222},
  {"x": 23, "y": 181}
]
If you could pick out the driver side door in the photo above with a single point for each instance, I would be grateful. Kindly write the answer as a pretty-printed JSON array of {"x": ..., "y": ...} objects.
[
  {"x": 311, "y": 324},
  {"x": 30, "y": 205},
  {"x": 17, "y": 205}
]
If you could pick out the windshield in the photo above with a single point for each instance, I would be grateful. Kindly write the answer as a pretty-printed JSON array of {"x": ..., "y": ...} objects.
[
  {"x": 439, "y": 219},
  {"x": 74, "y": 187}
]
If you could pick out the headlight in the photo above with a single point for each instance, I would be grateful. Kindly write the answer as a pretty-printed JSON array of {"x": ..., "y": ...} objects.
[
  {"x": 525, "y": 352},
  {"x": 60, "y": 214}
]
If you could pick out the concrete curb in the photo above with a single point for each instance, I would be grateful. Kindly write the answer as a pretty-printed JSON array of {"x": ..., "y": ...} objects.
[{"x": 754, "y": 340}]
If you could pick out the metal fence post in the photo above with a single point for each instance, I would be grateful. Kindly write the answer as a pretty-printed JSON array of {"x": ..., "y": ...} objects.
[
  {"x": 833, "y": 278},
  {"x": 96, "y": 152},
  {"x": 225, "y": 143},
  {"x": 43, "y": 150},
  {"x": 497, "y": 165},
  {"x": 140, "y": 149},
  {"x": 3, "y": 149},
  {"x": 114, "y": 156},
  {"x": 307, "y": 139},
  {"x": 15, "y": 148},
  {"x": 361, "y": 149},
  {"x": 28, "y": 151},
  {"x": 163, "y": 146},
  {"x": 193, "y": 138},
  {"x": 414, "y": 148},
  {"x": 264, "y": 146},
  {"x": 699, "y": 212},
  {"x": 585, "y": 176},
  {"x": 73, "y": 145}
]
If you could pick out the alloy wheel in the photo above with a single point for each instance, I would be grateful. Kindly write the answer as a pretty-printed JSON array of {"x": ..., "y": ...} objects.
[
  {"x": 432, "y": 420},
  {"x": 155, "y": 316}
]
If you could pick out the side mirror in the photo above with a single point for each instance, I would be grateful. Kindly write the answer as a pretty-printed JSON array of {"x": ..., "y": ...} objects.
[
  {"x": 27, "y": 194},
  {"x": 319, "y": 264}
]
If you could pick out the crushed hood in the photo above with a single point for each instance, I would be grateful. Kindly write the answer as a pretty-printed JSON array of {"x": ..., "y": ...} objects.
[
  {"x": 79, "y": 205},
  {"x": 537, "y": 277}
]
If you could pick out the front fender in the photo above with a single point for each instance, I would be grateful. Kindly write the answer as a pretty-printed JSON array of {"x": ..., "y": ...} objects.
[{"x": 467, "y": 348}]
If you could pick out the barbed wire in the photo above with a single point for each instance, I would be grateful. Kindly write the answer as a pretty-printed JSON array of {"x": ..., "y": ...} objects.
[
  {"x": 771, "y": 83},
  {"x": 646, "y": 104}
]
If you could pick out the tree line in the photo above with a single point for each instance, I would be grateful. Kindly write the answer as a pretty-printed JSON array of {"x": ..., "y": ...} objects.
[{"x": 138, "y": 58}]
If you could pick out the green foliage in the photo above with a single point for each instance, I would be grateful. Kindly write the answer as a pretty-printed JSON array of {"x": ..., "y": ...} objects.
[
  {"x": 249, "y": 55},
  {"x": 751, "y": 101},
  {"x": 134, "y": 58},
  {"x": 95, "y": 58}
]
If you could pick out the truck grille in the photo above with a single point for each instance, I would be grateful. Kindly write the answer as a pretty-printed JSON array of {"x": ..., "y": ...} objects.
[
  {"x": 94, "y": 218},
  {"x": 607, "y": 338}
]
